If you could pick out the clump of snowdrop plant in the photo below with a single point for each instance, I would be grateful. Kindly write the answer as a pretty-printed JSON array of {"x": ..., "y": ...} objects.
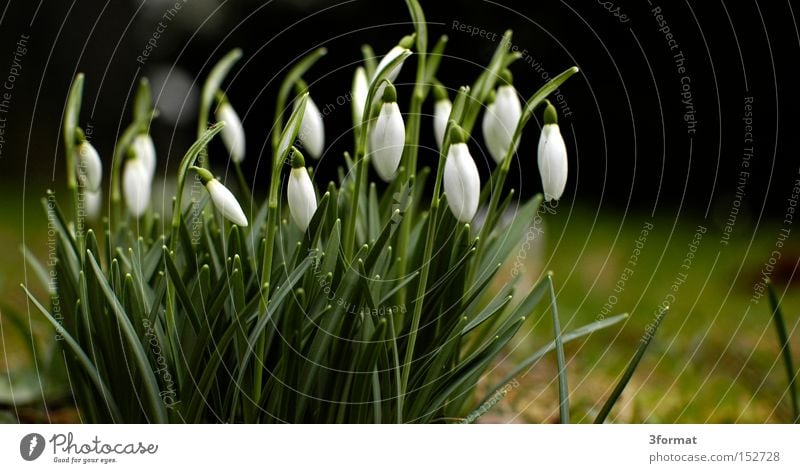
[{"x": 363, "y": 302}]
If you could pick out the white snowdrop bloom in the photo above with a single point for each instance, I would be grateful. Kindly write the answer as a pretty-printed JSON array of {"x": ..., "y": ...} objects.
[
  {"x": 312, "y": 130},
  {"x": 90, "y": 168},
  {"x": 462, "y": 183},
  {"x": 93, "y": 201},
  {"x": 441, "y": 113},
  {"x": 233, "y": 132},
  {"x": 300, "y": 193},
  {"x": 387, "y": 136},
  {"x": 500, "y": 120},
  {"x": 401, "y": 48},
  {"x": 553, "y": 165},
  {"x": 222, "y": 197},
  {"x": 359, "y": 95},
  {"x": 144, "y": 149},
  {"x": 136, "y": 186}
]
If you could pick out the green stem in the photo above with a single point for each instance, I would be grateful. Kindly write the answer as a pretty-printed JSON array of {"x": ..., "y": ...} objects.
[
  {"x": 187, "y": 161},
  {"x": 71, "y": 115},
  {"x": 360, "y": 156},
  {"x": 411, "y": 150},
  {"x": 430, "y": 239},
  {"x": 210, "y": 88},
  {"x": 538, "y": 98}
]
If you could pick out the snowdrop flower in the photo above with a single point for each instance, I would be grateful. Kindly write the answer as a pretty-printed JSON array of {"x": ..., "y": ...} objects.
[
  {"x": 401, "y": 48},
  {"x": 441, "y": 113},
  {"x": 462, "y": 183},
  {"x": 552, "y": 156},
  {"x": 312, "y": 130},
  {"x": 136, "y": 182},
  {"x": 93, "y": 200},
  {"x": 359, "y": 95},
  {"x": 300, "y": 192},
  {"x": 223, "y": 199},
  {"x": 90, "y": 168},
  {"x": 387, "y": 136},
  {"x": 233, "y": 132},
  {"x": 144, "y": 150},
  {"x": 501, "y": 118}
]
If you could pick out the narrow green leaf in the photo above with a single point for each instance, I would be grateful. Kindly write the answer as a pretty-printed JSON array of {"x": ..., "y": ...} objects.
[
  {"x": 786, "y": 350},
  {"x": 150, "y": 384},
  {"x": 632, "y": 364}
]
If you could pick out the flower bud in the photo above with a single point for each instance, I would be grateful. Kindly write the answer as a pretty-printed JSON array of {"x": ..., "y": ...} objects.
[
  {"x": 90, "y": 168},
  {"x": 136, "y": 186},
  {"x": 312, "y": 129},
  {"x": 404, "y": 45},
  {"x": 501, "y": 118},
  {"x": 552, "y": 156},
  {"x": 144, "y": 149},
  {"x": 387, "y": 136},
  {"x": 359, "y": 95},
  {"x": 462, "y": 183},
  {"x": 300, "y": 192},
  {"x": 441, "y": 113},
  {"x": 233, "y": 132},
  {"x": 223, "y": 199}
]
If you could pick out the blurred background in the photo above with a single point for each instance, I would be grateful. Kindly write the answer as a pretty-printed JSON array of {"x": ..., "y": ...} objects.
[{"x": 680, "y": 128}]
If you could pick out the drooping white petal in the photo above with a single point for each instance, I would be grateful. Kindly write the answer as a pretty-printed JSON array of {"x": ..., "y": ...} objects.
[
  {"x": 441, "y": 112},
  {"x": 500, "y": 120},
  {"x": 312, "y": 130},
  {"x": 552, "y": 162},
  {"x": 136, "y": 186},
  {"x": 393, "y": 54},
  {"x": 233, "y": 132},
  {"x": 392, "y": 73},
  {"x": 226, "y": 203},
  {"x": 359, "y": 94},
  {"x": 301, "y": 196},
  {"x": 145, "y": 151},
  {"x": 386, "y": 141},
  {"x": 462, "y": 183},
  {"x": 90, "y": 168},
  {"x": 93, "y": 201}
]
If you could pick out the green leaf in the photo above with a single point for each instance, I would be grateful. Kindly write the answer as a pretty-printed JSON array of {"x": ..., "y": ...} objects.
[
  {"x": 566, "y": 338},
  {"x": 150, "y": 384},
  {"x": 632, "y": 364},
  {"x": 786, "y": 350},
  {"x": 85, "y": 362},
  {"x": 563, "y": 389}
]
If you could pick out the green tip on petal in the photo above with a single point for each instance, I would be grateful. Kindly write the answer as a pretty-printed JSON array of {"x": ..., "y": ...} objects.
[
  {"x": 550, "y": 114},
  {"x": 439, "y": 92},
  {"x": 204, "y": 174},
  {"x": 457, "y": 134},
  {"x": 221, "y": 98},
  {"x": 506, "y": 77},
  {"x": 408, "y": 41},
  {"x": 80, "y": 137},
  {"x": 389, "y": 93},
  {"x": 300, "y": 87},
  {"x": 490, "y": 98},
  {"x": 297, "y": 159}
]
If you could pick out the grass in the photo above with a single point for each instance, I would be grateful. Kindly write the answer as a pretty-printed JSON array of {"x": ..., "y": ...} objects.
[{"x": 714, "y": 360}]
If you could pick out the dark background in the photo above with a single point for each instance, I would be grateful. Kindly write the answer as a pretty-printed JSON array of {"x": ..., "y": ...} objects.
[{"x": 629, "y": 146}]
